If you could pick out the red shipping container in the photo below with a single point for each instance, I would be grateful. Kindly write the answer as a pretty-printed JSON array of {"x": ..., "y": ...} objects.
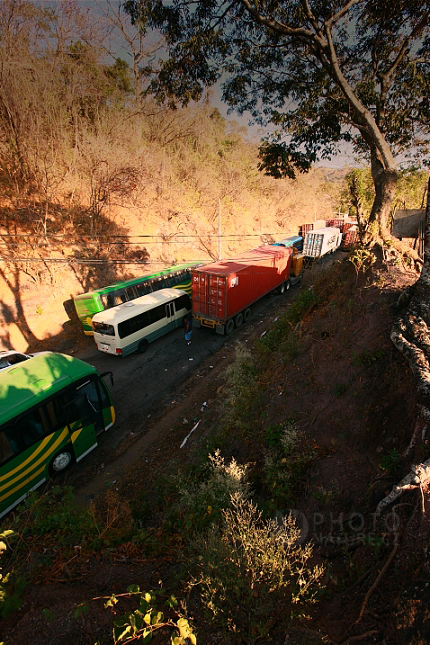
[
  {"x": 223, "y": 291},
  {"x": 349, "y": 224},
  {"x": 335, "y": 223},
  {"x": 304, "y": 228},
  {"x": 349, "y": 239}
]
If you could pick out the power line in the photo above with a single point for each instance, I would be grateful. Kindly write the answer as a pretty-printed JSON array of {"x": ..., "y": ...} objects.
[
  {"x": 93, "y": 261},
  {"x": 233, "y": 236}
]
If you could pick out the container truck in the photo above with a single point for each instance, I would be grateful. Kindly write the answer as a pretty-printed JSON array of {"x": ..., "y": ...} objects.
[
  {"x": 294, "y": 240},
  {"x": 350, "y": 238},
  {"x": 223, "y": 291},
  {"x": 321, "y": 241}
]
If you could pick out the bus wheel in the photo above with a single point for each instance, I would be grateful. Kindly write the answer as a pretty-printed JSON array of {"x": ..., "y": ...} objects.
[
  {"x": 229, "y": 326},
  {"x": 142, "y": 347},
  {"x": 246, "y": 315},
  {"x": 62, "y": 460},
  {"x": 238, "y": 320}
]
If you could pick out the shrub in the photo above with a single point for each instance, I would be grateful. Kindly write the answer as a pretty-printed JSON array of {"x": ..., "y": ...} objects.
[
  {"x": 249, "y": 569},
  {"x": 242, "y": 402},
  {"x": 199, "y": 502},
  {"x": 286, "y": 465},
  {"x": 391, "y": 462}
]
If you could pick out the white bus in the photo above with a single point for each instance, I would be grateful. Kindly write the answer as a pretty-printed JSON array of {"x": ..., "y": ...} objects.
[{"x": 129, "y": 327}]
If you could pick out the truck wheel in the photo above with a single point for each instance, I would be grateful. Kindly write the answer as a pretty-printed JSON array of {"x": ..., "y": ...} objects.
[
  {"x": 142, "y": 347},
  {"x": 238, "y": 320},
  {"x": 229, "y": 326},
  {"x": 62, "y": 460},
  {"x": 247, "y": 315},
  {"x": 279, "y": 290},
  {"x": 287, "y": 285}
]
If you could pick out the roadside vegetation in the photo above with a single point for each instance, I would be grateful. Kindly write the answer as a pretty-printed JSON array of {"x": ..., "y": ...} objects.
[{"x": 239, "y": 565}]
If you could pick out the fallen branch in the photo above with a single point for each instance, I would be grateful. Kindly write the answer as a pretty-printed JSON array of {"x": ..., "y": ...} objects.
[
  {"x": 354, "y": 639},
  {"x": 377, "y": 581},
  {"x": 418, "y": 475}
]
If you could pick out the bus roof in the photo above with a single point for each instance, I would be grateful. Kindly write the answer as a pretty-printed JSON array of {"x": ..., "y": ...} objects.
[
  {"x": 126, "y": 310},
  {"x": 142, "y": 278},
  {"x": 34, "y": 380}
]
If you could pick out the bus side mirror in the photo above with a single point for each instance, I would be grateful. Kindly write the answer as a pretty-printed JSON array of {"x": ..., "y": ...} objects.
[{"x": 107, "y": 374}]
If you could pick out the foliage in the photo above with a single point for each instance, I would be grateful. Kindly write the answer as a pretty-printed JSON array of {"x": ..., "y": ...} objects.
[
  {"x": 247, "y": 565},
  {"x": 362, "y": 259},
  {"x": 358, "y": 192},
  {"x": 287, "y": 460},
  {"x": 391, "y": 462},
  {"x": 242, "y": 400},
  {"x": 66, "y": 530},
  {"x": 10, "y": 590},
  {"x": 199, "y": 502},
  {"x": 322, "y": 74},
  {"x": 141, "y": 623},
  {"x": 281, "y": 336}
]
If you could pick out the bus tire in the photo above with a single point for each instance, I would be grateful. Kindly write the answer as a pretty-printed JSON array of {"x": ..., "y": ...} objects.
[
  {"x": 246, "y": 315},
  {"x": 142, "y": 347},
  {"x": 229, "y": 326},
  {"x": 62, "y": 460},
  {"x": 238, "y": 321}
]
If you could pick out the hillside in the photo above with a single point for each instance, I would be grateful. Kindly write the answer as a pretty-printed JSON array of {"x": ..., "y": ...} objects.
[
  {"x": 139, "y": 231},
  {"x": 320, "y": 371}
]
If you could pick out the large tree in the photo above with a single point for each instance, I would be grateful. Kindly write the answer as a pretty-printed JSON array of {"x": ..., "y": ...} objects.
[{"x": 320, "y": 72}]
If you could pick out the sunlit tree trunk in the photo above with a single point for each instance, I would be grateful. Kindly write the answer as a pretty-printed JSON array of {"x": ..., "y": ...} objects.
[{"x": 385, "y": 182}]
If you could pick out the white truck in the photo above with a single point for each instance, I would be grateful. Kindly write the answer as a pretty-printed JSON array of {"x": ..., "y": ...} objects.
[{"x": 321, "y": 241}]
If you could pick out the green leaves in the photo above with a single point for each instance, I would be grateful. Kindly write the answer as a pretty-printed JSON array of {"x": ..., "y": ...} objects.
[{"x": 147, "y": 619}]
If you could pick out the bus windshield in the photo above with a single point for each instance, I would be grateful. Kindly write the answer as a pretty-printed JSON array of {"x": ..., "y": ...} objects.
[{"x": 103, "y": 328}]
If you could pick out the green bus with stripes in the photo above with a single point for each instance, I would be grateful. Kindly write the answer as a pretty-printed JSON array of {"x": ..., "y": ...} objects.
[
  {"x": 52, "y": 409},
  {"x": 90, "y": 303}
]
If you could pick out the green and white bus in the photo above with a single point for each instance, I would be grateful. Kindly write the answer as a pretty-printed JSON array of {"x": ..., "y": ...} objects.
[
  {"x": 129, "y": 327},
  {"x": 88, "y": 304},
  {"x": 52, "y": 407}
]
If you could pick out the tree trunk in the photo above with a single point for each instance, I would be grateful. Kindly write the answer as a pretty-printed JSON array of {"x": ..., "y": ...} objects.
[
  {"x": 385, "y": 182},
  {"x": 411, "y": 335}
]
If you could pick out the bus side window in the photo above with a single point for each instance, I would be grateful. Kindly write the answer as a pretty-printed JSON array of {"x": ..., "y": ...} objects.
[
  {"x": 162, "y": 284},
  {"x": 30, "y": 428},
  {"x": 108, "y": 301},
  {"x": 119, "y": 299},
  {"x": 143, "y": 289},
  {"x": 104, "y": 397},
  {"x": 183, "y": 302},
  {"x": 8, "y": 445},
  {"x": 156, "y": 314},
  {"x": 131, "y": 293}
]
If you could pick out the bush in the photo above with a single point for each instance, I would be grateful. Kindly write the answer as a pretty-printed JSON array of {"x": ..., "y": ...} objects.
[
  {"x": 250, "y": 569},
  {"x": 242, "y": 403},
  {"x": 200, "y": 502}
]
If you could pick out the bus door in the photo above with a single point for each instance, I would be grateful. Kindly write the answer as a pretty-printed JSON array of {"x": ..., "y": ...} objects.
[
  {"x": 84, "y": 417},
  {"x": 170, "y": 314}
]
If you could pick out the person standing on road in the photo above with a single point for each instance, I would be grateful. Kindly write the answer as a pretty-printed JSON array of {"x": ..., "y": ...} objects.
[{"x": 188, "y": 328}]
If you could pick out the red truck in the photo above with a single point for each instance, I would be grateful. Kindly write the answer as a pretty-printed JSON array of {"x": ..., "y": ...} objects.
[{"x": 223, "y": 292}]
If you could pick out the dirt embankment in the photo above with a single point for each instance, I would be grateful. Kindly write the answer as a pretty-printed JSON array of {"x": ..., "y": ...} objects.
[{"x": 353, "y": 397}]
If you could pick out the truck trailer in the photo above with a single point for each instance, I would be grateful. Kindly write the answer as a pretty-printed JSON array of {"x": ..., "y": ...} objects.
[
  {"x": 223, "y": 291},
  {"x": 321, "y": 241}
]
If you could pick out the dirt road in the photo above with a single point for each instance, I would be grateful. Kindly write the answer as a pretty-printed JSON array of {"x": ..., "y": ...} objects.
[{"x": 147, "y": 385}]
